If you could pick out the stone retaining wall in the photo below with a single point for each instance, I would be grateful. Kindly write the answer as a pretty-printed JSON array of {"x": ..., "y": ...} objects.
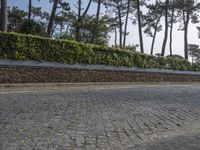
[{"x": 45, "y": 74}]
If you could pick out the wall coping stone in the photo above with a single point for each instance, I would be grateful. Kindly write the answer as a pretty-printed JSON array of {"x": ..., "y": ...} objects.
[{"x": 9, "y": 62}]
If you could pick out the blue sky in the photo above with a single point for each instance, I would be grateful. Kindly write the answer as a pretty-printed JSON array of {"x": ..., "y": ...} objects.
[{"x": 178, "y": 36}]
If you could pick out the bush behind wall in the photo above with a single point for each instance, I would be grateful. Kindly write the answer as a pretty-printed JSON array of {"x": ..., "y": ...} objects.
[{"x": 27, "y": 47}]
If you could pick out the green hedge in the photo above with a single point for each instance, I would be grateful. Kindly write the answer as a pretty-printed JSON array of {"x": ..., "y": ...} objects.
[{"x": 26, "y": 47}]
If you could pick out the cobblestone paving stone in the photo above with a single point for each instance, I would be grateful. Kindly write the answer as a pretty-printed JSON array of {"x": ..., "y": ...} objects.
[{"x": 99, "y": 119}]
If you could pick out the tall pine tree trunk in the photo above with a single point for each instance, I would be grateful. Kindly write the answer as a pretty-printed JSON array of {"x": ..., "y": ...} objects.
[
  {"x": 78, "y": 22},
  {"x": 29, "y": 9},
  {"x": 4, "y": 16},
  {"x": 171, "y": 29},
  {"x": 115, "y": 36},
  {"x": 61, "y": 28},
  {"x": 166, "y": 28},
  {"x": 140, "y": 27},
  {"x": 95, "y": 28},
  {"x": 186, "y": 42},
  {"x": 52, "y": 17},
  {"x": 153, "y": 41},
  {"x": 120, "y": 27},
  {"x": 186, "y": 35},
  {"x": 154, "y": 35},
  {"x": 126, "y": 22}
]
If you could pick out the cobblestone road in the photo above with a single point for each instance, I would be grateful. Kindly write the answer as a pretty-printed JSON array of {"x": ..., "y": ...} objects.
[{"x": 133, "y": 119}]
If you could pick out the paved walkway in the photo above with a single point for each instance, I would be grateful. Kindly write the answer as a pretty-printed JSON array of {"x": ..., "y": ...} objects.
[{"x": 149, "y": 118}]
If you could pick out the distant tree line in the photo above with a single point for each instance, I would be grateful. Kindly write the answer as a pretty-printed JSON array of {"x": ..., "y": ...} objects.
[{"x": 111, "y": 16}]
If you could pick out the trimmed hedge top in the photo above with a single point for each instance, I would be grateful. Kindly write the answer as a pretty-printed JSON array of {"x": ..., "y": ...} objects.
[{"x": 26, "y": 47}]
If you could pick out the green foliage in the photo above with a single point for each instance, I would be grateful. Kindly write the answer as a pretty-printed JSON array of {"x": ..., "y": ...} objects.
[
  {"x": 15, "y": 18},
  {"x": 91, "y": 30},
  {"x": 196, "y": 66},
  {"x": 32, "y": 27},
  {"x": 26, "y": 47},
  {"x": 129, "y": 47},
  {"x": 175, "y": 56},
  {"x": 18, "y": 22}
]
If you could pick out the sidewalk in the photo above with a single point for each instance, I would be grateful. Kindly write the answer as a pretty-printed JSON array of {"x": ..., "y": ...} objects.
[{"x": 45, "y": 87}]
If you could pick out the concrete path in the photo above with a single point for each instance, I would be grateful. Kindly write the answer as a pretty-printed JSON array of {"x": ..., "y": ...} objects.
[{"x": 132, "y": 117}]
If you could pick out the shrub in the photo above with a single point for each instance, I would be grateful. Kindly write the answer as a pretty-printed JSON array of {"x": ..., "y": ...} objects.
[
  {"x": 196, "y": 67},
  {"x": 26, "y": 47},
  {"x": 32, "y": 27}
]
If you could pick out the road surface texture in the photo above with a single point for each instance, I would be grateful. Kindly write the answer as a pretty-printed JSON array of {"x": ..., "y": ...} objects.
[{"x": 142, "y": 118}]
